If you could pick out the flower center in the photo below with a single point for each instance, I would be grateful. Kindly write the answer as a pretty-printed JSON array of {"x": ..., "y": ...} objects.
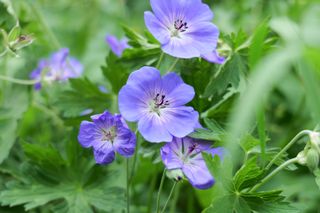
[
  {"x": 191, "y": 153},
  {"x": 108, "y": 134},
  {"x": 180, "y": 26},
  {"x": 158, "y": 102}
]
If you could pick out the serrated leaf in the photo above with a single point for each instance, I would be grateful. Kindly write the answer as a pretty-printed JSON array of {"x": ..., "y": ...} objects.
[
  {"x": 229, "y": 75},
  {"x": 115, "y": 73},
  {"x": 83, "y": 95},
  {"x": 248, "y": 175}
]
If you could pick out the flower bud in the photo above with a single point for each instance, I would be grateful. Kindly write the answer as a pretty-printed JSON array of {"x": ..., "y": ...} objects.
[
  {"x": 175, "y": 174},
  {"x": 21, "y": 41},
  {"x": 312, "y": 159}
]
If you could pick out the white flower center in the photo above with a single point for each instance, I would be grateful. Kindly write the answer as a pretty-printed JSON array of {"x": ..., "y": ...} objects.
[
  {"x": 179, "y": 27},
  {"x": 157, "y": 103}
]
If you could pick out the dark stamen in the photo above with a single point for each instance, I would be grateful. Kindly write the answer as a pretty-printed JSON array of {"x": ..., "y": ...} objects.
[
  {"x": 180, "y": 25},
  {"x": 160, "y": 102}
]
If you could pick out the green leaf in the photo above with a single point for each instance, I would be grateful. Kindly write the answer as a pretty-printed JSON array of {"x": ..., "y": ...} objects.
[
  {"x": 248, "y": 142},
  {"x": 137, "y": 40},
  {"x": 258, "y": 43},
  {"x": 115, "y": 73},
  {"x": 229, "y": 75},
  {"x": 48, "y": 180},
  {"x": 145, "y": 49},
  {"x": 83, "y": 95},
  {"x": 78, "y": 199},
  {"x": 248, "y": 175},
  {"x": 214, "y": 126},
  {"x": 206, "y": 134}
]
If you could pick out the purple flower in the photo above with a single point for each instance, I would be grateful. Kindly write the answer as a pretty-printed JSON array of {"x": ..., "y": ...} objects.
[
  {"x": 157, "y": 103},
  {"x": 184, "y": 154},
  {"x": 107, "y": 134},
  {"x": 214, "y": 57},
  {"x": 59, "y": 67},
  {"x": 117, "y": 46},
  {"x": 183, "y": 27}
]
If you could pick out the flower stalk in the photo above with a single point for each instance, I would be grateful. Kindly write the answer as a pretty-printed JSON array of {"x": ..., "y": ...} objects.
[
  {"x": 293, "y": 141},
  {"x": 169, "y": 197},
  {"x": 160, "y": 189}
]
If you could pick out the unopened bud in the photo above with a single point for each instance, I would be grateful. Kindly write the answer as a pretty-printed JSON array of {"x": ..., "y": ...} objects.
[
  {"x": 21, "y": 41},
  {"x": 175, "y": 174},
  {"x": 312, "y": 159}
]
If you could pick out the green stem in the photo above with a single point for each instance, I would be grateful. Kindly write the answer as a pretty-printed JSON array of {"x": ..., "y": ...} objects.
[
  {"x": 273, "y": 173},
  {"x": 294, "y": 140},
  {"x": 160, "y": 60},
  {"x": 171, "y": 192},
  {"x": 19, "y": 81},
  {"x": 173, "y": 65},
  {"x": 135, "y": 156},
  {"x": 160, "y": 189},
  {"x": 46, "y": 28},
  {"x": 128, "y": 191},
  {"x": 175, "y": 199}
]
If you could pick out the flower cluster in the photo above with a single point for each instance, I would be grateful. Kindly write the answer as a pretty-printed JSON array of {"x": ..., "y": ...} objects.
[
  {"x": 59, "y": 67},
  {"x": 158, "y": 103}
]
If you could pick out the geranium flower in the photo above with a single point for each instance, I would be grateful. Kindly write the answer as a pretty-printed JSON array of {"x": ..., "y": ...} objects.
[
  {"x": 183, "y": 27},
  {"x": 107, "y": 134},
  {"x": 184, "y": 155},
  {"x": 117, "y": 46},
  {"x": 59, "y": 67},
  {"x": 157, "y": 103}
]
